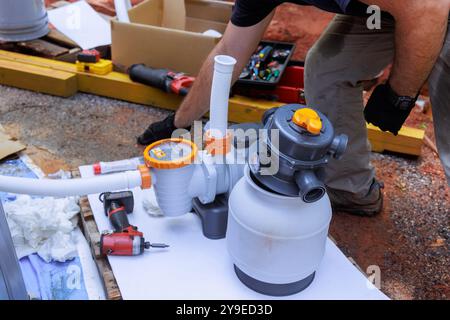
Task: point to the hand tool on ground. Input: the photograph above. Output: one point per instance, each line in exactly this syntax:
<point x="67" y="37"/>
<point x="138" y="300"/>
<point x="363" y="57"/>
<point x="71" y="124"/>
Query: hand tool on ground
<point x="166" y="80"/>
<point x="125" y="239"/>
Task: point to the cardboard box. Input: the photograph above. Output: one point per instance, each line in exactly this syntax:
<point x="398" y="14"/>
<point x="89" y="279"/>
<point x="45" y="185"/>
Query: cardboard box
<point x="8" y="146"/>
<point x="168" y="34"/>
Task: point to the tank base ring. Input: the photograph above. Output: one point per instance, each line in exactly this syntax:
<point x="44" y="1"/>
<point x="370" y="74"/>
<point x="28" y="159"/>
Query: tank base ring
<point x="272" y="289"/>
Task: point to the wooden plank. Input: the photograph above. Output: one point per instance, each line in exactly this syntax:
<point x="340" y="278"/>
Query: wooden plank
<point x="37" y="61"/>
<point x="41" y="48"/>
<point x="241" y="109"/>
<point x="92" y="235"/>
<point x="119" y="86"/>
<point x="70" y="56"/>
<point x="38" y="79"/>
<point x="408" y="140"/>
<point x="58" y="37"/>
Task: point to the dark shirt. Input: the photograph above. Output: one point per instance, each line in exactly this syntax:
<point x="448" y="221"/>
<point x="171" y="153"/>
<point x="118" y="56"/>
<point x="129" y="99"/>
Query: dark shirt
<point x="249" y="12"/>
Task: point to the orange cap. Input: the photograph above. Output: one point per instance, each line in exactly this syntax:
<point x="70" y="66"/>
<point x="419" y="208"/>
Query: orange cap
<point x="146" y="176"/>
<point x="221" y="146"/>
<point x="154" y="162"/>
<point x="309" y="119"/>
<point x="97" y="168"/>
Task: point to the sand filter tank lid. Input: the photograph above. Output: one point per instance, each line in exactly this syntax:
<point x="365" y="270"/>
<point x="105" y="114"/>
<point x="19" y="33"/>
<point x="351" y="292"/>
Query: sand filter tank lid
<point x="306" y="141"/>
<point x="22" y="20"/>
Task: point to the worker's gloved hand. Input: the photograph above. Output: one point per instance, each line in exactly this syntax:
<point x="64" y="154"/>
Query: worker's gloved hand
<point x="388" y="111"/>
<point x="158" y="130"/>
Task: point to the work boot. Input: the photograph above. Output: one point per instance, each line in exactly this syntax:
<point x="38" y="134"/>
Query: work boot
<point x="158" y="130"/>
<point x="367" y="206"/>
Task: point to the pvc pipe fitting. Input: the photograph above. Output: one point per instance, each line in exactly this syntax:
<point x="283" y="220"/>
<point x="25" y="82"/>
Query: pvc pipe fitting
<point x="220" y="92"/>
<point x="311" y="189"/>
<point x="122" y="7"/>
<point x="218" y="146"/>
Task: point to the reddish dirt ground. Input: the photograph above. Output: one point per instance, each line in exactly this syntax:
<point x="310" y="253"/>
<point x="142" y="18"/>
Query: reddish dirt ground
<point x="300" y="25"/>
<point x="409" y="240"/>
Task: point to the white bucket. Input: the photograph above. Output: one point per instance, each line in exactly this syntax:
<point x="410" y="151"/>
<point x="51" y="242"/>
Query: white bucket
<point x="22" y="20"/>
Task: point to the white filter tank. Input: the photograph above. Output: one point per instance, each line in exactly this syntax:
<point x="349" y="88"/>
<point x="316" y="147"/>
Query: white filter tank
<point x="278" y="221"/>
<point x="276" y="242"/>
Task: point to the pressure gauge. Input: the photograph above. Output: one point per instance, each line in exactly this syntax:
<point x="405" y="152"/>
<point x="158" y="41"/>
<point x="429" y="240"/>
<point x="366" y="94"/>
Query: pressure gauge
<point x="170" y="153"/>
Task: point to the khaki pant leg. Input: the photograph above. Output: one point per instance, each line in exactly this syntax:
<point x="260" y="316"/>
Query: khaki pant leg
<point x="347" y="53"/>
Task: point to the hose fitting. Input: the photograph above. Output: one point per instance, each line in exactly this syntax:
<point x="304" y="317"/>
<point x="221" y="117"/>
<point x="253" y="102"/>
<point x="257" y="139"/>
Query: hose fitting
<point x="311" y="189"/>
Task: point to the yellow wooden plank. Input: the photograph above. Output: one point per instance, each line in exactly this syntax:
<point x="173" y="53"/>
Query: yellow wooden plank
<point x="119" y="86"/>
<point x="244" y="109"/>
<point x="38" y="79"/>
<point x="381" y="146"/>
<point x="404" y="133"/>
<point x="408" y="141"/>
<point x="38" y="61"/>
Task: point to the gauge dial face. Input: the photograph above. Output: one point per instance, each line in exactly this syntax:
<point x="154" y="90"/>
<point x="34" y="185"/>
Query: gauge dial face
<point x="170" y="153"/>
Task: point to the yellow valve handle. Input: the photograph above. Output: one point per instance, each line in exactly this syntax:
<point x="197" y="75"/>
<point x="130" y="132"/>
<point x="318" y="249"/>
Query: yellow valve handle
<point x="309" y="119"/>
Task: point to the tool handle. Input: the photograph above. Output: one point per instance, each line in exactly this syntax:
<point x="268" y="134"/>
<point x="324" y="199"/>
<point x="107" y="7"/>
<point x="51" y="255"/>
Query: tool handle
<point x="181" y="84"/>
<point x="157" y="78"/>
<point x="118" y="217"/>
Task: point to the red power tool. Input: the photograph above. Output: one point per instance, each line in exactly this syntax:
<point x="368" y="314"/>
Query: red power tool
<point x="125" y="239"/>
<point x="169" y="81"/>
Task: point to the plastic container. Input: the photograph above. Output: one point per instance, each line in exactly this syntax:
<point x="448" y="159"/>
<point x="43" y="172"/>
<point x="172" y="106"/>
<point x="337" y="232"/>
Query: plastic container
<point x="282" y="65"/>
<point x="275" y="242"/>
<point x="171" y="190"/>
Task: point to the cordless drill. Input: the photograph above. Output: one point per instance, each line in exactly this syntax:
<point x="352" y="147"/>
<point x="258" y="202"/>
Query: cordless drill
<point x="169" y="81"/>
<point x="124" y="239"/>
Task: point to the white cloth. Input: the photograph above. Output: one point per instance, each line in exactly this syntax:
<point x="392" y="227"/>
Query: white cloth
<point x="43" y="225"/>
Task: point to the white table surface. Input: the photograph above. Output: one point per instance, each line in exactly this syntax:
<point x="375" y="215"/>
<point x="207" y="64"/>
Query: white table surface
<point x="195" y="267"/>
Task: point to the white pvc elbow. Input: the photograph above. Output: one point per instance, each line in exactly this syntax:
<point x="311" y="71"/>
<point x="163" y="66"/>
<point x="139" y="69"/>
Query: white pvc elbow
<point x="122" y="7"/>
<point x="220" y="92"/>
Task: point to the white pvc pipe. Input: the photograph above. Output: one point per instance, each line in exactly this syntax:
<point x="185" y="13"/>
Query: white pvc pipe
<point x="71" y="187"/>
<point x="122" y="7"/>
<point x="220" y="93"/>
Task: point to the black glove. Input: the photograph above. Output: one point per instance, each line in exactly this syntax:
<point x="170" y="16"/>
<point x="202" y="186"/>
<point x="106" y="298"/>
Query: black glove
<point x="388" y="111"/>
<point x="158" y="130"/>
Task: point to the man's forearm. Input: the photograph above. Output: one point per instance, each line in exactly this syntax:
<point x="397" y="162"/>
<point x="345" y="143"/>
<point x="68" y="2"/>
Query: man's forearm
<point x="420" y="31"/>
<point x="238" y="42"/>
<point x="196" y="104"/>
<point x="419" y="41"/>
